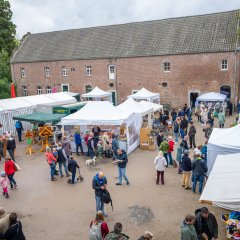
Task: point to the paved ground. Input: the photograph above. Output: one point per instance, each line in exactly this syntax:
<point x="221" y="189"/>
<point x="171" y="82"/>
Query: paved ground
<point x="56" y="210"/>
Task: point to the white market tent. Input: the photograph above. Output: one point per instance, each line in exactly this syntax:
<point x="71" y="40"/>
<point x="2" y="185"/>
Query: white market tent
<point x="144" y="94"/>
<point x="12" y="107"/>
<point x="221" y="142"/>
<point x="104" y="113"/>
<point x="97" y="94"/>
<point x="212" y="97"/>
<point x="131" y="106"/>
<point x="222" y="187"/>
<point x="156" y="107"/>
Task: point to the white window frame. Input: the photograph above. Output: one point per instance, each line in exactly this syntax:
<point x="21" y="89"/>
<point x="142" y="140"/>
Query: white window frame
<point x="88" y="70"/>
<point x="168" y="67"/>
<point x="24" y="90"/>
<point x="63" y="85"/>
<point x="224" y="65"/>
<point x="39" y="90"/>
<point x="48" y="89"/>
<point x="111" y="75"/>
<point x="23" y="72"/>
<point x="47" y="71"/>
<point x="64" y="71"/>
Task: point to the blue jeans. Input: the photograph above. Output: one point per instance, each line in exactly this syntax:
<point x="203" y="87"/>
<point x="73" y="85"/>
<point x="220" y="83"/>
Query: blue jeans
<point x="19" y="132"/>
<point x="114" y="154"/>
<point x="176" y="136"/>
<point x="12" y="180"/>
<point x="170" y="160"/>
<point x="182" y="133"/>
<point x="52" y="169"/>
<point x="99" y="204"/>
<point x="64" y="164"/>
<point x="122" y="173"/>
<point x="200" y="179"/>
<point x="91" y="153"/>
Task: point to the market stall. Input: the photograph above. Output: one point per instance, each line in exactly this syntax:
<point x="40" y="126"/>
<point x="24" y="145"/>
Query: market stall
<point x="212" y="97"/>
<point x="222" y="187"/>
<point x="156" y="107"/>
<point x="106" y="116"/>
<point x="222" y="141"/>
<point x="98" y="94"/>
<point x="144" y="94"/>
<point x="131" y="106"/>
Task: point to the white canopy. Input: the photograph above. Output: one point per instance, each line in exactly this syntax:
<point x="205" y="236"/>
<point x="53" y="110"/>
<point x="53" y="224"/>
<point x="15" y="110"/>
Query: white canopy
<point x="144" y="94"/>
<point x="131" y="106"/>
<point x="97" y="113"/>
<point x="97" y="93"/>
<point x="212" y="97"/>
<point x="222" y="187"/>
<point x="221" y="142"/>
<point x="154" y="106"/>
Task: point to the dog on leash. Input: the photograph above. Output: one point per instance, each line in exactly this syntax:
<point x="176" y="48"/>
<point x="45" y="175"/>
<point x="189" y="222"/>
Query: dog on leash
<point x="91" y="161"/>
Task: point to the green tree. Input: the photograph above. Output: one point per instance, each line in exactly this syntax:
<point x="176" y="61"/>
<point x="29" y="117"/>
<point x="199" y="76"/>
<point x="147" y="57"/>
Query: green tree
<point x="7" y="28"/>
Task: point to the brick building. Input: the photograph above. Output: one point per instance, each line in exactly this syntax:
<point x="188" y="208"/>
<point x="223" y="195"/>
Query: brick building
<point x="180" y="58"/>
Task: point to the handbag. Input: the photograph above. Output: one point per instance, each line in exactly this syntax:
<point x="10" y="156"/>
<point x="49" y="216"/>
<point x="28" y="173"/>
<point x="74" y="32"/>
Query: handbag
<point x="16" y="166"/>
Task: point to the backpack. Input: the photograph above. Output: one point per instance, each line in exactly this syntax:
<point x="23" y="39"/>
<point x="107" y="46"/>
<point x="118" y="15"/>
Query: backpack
<point x="106" y="198"/>
<point x="95" y="232"/>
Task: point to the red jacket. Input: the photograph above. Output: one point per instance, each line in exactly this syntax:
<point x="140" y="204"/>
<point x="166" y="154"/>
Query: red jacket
<point x="171" y="146"/>
<point x="9" y="167"/>
<point x="50" y="158"/>
<point x="104" y="228"/>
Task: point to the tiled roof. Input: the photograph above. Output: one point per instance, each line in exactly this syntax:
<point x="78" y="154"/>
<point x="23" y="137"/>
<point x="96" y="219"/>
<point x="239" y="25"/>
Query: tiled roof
<point x="195" y="34"/>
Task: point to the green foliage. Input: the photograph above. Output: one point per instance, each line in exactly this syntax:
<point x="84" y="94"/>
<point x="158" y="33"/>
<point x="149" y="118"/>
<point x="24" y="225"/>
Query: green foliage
<point x="7" y="28"/>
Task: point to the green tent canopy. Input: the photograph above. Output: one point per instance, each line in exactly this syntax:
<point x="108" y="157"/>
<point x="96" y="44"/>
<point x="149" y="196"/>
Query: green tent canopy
<point x="40" y="117"/>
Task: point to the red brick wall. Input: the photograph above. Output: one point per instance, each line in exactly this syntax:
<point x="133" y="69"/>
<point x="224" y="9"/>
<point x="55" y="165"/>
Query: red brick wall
<point x="193" y="72"/>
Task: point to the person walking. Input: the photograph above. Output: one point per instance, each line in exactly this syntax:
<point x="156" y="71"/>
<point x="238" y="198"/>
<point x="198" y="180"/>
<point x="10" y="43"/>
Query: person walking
<point x="221" y="119"/>
<point x="19" y="129"/>
<point x="62" y="160"/>
<point x="117" y="233"/>
<point x="183" y="126"/>
<point x="11" y="146"/>
<point x="91" y="146"/>
<point x="164" y="148"/>
<point x="52" y="162"/>
<point x="78" y="142"/>
<point x="115" y="146"/>
<point x="160" y="163"/>
<point x="4" y="182"/>
<point x="122" y="160"/>
<point x="206" y="224"/>
<point x="9" y="168"/>
<point x="174" y="115"/>
<point x="98" y="227"/>
<point x="210" y="117"/>
<point x="99" y="184"/>
<point x="170" y="150"/>
<point x="188" y="231"/>
<point x="72" y="168"/>
<point x="199" y="169"/>
<point x="192" y="132"/>
<point x="66" y="145"/>
<point x="14" y="232"/>
<point x="159" y="138"/>
<point x="180" y="151"/>
<point x="176" y="129"/>
<point x="186" y="169"/>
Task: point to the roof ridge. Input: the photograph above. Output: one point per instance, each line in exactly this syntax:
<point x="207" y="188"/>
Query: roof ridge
<point x="138" y="22"/>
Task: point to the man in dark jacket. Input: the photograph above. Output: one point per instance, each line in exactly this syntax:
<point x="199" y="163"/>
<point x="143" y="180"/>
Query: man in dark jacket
<point x="72" y="167"/>
<point x="91" y="146"/>
<point x="122" y="160"/>
<point x="186" y="166"/>
<point x="183" y="126"/>
<point x="174" y="115"/>
<point x="99" y="184"/>
<point x="11" y="146"/>
<point x="206" y="223"/>
<point x="192" y="132"/>
<point x="19" y="129"/>
<point x="199" y="169"/>
<point x="78" y="142"/>
<point x="160" y="138"/>
<point x="62" y="160"/>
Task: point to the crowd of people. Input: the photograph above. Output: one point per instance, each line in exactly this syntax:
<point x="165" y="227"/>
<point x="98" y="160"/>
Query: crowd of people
<point x="178" y="132"/>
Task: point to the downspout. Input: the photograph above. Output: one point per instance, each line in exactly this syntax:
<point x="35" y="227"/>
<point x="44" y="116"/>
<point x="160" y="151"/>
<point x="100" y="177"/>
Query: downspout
<point x="116" y="81"/>
<point x="235" y="68"/>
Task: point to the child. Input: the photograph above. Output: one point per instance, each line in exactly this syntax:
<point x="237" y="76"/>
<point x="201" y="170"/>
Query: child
<point x="100" y="149"/>
<point x="4" y="182"/>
